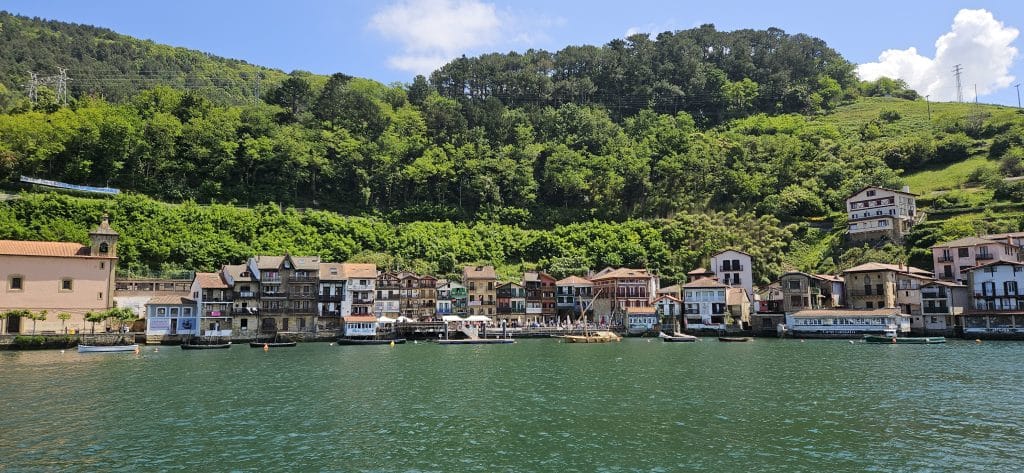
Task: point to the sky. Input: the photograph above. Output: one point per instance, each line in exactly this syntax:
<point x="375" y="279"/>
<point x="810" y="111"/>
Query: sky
<point x="393" y="40"/>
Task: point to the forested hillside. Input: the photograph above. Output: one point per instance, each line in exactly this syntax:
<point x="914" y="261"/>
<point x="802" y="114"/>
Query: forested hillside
<point x="745" y="131"/>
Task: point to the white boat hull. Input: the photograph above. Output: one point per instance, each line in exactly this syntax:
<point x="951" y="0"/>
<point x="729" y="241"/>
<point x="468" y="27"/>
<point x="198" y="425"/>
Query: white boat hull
<point x="106" y="349"/>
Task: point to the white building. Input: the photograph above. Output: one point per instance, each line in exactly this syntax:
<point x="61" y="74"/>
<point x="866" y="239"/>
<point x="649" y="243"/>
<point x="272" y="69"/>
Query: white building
<point x="733" y="268"/>
<point x="170" y="316"/>
<point x="997" y="306"/>
<point x="705" y="304"/>
<point x="360" y="325"/>
<point x="942" y="302"/>
<point x="846" y="323"/>
<point x="877" y="212"/>
<point x="670" y="310"/>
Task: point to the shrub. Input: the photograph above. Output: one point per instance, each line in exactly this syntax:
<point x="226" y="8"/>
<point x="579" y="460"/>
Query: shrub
<point x="29" y="341"/>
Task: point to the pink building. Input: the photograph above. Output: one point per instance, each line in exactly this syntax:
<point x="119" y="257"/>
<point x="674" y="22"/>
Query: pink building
<point x="57" y="277"/>
<point x="952" y="259"/>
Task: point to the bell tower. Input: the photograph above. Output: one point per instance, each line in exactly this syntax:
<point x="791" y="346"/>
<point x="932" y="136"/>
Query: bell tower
<point x="103" y="239"/>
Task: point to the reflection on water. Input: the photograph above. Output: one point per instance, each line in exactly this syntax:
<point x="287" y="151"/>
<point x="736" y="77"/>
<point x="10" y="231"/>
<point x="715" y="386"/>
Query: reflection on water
<point x="537" y="405"/>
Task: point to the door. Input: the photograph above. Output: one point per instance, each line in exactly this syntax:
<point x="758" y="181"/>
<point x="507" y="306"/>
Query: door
<point x="284" y="324"/>
<point x="13" y="324"/>
<point x="174" y="327"/>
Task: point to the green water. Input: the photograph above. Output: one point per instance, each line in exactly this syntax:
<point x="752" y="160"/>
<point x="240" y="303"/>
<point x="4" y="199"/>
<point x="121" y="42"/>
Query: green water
<point x="537" y="405"/>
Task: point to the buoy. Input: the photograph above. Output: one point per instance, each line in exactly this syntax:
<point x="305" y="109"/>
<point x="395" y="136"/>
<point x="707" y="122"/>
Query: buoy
<point x="851" y="342"/>
<point x="977" y="340"/>
<point x="332" y="344"/>
<point x="156" y="350"/>
<point x="392" y="343"/>
<point x="894" y="339"/>
<point x="136" y="350"/>
<point x="266" y="347"/>
<point x="62" y="352"/>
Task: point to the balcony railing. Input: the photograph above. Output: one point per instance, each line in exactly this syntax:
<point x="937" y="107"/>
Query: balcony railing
<point x="862" y="292"/>
<point x="274" y="294"/>
<point x="332" y="297"/>
<point x="303" y="295"/>
<point x="735" y="267"/>
<point x="933" y="295"/>
<point x="935" y="310"/>
<point x="983" y="256"/>
<point x="945" y="259"/>
<point x="362" y="301"/>
<point x="296" y="278"/>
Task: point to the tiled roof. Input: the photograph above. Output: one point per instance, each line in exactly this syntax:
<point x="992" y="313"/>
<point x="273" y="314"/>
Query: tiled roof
<point x="699" y="271"/>
<point x="1002" y="236"/>
<point x="704" y="282"/>
<point x="943" y="283"/>
<point x="236" y="270"/>
<point x="886" y="267"/>
<point x="574" y="281"/>
<point x="43" y="248"/>
<point x="732" y="249"/>
<point x="641" y="310"/>
<point x="829" y="277"/>
<point x="211" y="281"/>
<point x="736" y="295"/>
<point x="670" y="289"/>
<point x="969" y="241"/>
<point x="995" y="263"/>
<point x="170" y="300"/>
<point x="331" y="272"/>
<point x="360" y="270"/>
<point x="268" y="262"/>
<point x="846" y="312"/>
<point x="669" y="297"/>
<point x="306" y="263"/>
<point x="623" y="273"/>
<point x="359" y="318"/>
<point x="479" y="272"/>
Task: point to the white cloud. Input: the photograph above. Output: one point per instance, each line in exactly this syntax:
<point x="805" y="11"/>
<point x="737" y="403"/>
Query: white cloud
<point x="432" y="32"/>
<point x="982" y="45"/>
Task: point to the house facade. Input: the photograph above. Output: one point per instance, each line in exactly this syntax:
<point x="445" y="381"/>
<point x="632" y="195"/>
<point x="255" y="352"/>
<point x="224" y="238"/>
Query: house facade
<point x="846" y="323"/>
<point x="875" y="213"/>
<point x="451" y="298"/>
<point x="670" y="312"/>
<point x="705" y="304"/>
<point x="480" y="282"/>
<point x="997" y="306"/>
<point x="245" y="300"/>
<point x="57" y="277"/>
<point x="168" y="318"/>
<point x="512" y="303"/>
<point x="388" y="301"/>
<point x="573" y="295"/>
<point x="802" y="291"/>
<point x="952" y="259"/>
<point x="616" y="290"/>
<point x="733" y="268"/>
<point x="942" y="305"/>
<point x="288" y="292"/>
<point x="213" y="298"/>
<point x="874" y="286"/>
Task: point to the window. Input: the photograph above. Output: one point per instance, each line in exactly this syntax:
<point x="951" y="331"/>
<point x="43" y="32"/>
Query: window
<point x="99" y="296"/>
<point x="15" y="283"/>
<point x="883" y="223"/>
<point x="65" y="285"/>
<point x="871" y="193"/>
<point x="186" y="311"/>
<point x="794" y="284"/>
<point x="161" y="311"/>
<point x="962" y="252"/>
<point x="869" y="305"/>
<point x="103" y="264"/>
<point x="104" y="248"/>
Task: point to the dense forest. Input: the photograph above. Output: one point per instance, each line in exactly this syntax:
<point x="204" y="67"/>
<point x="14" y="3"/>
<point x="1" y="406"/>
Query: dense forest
<point x="662" y="149"/>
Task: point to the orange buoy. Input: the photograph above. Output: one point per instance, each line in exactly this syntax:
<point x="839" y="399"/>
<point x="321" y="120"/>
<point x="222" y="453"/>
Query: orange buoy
<point x="266" y="347"/>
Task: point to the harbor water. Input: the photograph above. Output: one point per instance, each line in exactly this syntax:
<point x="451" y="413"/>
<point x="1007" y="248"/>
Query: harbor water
<point x="537" y="405"/>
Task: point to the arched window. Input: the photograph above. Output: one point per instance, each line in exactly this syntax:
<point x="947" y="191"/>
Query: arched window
<point x="104" y="247"/>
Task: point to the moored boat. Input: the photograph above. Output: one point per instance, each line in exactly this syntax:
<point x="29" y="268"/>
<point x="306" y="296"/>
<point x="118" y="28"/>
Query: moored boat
<point x="107" y="348"/>
<point x="904" y="340"/>
<point x="258" y="344"/>
<point x="677" y="337"/>
<point x="594" y="337"/>
<point x="734" y="339"/>
<point x="478" y="341"/>
<point x="205" y="346"/>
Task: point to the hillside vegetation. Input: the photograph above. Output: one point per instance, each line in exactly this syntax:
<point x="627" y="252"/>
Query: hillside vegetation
<point x="639" y="143"/>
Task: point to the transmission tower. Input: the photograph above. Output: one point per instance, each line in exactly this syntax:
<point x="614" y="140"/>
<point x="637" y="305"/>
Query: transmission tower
<point x="58" y="82"/>
<point x="33" y="84"/>
<point x="959" y="91"/>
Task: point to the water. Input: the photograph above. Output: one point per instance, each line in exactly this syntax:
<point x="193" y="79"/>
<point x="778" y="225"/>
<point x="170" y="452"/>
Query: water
<point x="538" y="405"/>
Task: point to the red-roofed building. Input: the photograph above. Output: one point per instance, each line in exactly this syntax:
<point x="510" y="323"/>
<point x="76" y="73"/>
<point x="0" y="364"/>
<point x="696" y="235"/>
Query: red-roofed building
<point x="616" y="290"/>
<point x="57" y="277"/>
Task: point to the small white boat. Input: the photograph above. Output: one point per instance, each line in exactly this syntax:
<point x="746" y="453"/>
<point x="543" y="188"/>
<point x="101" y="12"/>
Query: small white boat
<point x="106" y="348"/>
<point x="676" y="337"/>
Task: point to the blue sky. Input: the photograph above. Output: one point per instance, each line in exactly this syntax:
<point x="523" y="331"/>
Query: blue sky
<point x="393" y="40"/>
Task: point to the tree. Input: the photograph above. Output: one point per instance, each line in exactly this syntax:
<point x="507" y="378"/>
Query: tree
<point x="37" y="316"/>
<point x="94" y="317"/>
<point x="120" y="315"/>
<point x="64" y="317"/>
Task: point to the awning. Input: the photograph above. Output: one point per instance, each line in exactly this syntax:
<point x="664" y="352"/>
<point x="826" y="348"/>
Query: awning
<point x="386" y="320"/>
<point x="478" y="318"/>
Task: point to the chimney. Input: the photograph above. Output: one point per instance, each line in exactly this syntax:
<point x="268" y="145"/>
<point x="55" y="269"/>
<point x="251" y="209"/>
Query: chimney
<point x="906" y="189"/>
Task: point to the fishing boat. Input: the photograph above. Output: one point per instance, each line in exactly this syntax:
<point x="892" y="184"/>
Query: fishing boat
<point x="107" y="348"/>
<point x="369" y="341"/>
<point x="904" y="340"/>
<point x="205" y="343"/>
<point x="477" y="341"/>
<point x="734" y="339"/>
<point x="603" y="336"/>
<point x="274" y="343"/>
<point x="676" y="337"/>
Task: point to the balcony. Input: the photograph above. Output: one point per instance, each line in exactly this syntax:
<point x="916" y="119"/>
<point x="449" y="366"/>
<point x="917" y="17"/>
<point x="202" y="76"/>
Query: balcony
<point x="933" y="295"/>
<point x="945" y="259"/>
<point x="332" y="297"/>
<point x="280" y="295"/>
<point x="303" y="295"/>
<point x="983" y="256"/>
<point x="245" y="295"/>
<point x="487" y="302"/>
<point x="735" y="267"/>
<point x="362" y="301"/>
<point x="296" y="278"/>
<point x="330" y="313"/>
<point x="943" y="310"/>
<point x="863" y="292"/>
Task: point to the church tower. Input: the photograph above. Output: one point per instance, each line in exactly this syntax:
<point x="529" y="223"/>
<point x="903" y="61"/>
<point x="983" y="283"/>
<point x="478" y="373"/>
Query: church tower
<point x="103" y="239"/>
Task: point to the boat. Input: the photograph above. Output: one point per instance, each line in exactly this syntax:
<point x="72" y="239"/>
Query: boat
<point x="369" y="341"/>
<point x="676" y="337"/>
<point x="205" y="344"/>
<point x="271" y="344"/>
<point x="604" y="336"/>
<point x="107" y="348"/>
<point x="734" y="339"/>
<point x="904" y="340"/>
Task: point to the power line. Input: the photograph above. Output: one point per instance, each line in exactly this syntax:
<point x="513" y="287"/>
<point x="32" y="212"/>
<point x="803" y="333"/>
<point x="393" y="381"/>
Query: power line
<point x="959" y="92"/>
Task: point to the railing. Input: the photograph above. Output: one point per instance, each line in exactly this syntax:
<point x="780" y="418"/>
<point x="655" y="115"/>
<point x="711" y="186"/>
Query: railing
<point x="245" y="294"/>
<point x="295" y="278"/>
<point x="330" y="313"/>
<point x="487" y="302"/>
<point x="362" y="301"/>
<point x="244" y="311"/>
<point x="933" y="295"/>
<point x="736" y="267"/>
<point x="935" y="310"/>
<point x="983" y="256"/>
<point x="332" y="297"/>
<point x="862" y="292"/>
<point x="304" y="295"/>
<point x="945" y="259"/>
<point x="275" y="294"/>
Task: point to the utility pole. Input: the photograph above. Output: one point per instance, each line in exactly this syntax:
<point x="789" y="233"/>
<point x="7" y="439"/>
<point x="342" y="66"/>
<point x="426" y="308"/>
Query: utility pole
<point x="1018" y="95"/>
<point x="929" y="102"/>
<point x="33" y="84"/>
<point x="959" y="92"/>
<point x="62" y="85"/>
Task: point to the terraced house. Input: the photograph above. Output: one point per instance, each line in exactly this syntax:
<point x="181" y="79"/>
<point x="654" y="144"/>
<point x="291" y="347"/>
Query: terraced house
<point x="876" y="213"/>
<point x="288" y="291"/>
<point x="480" y="282"/>
<point x="616" y="290"/>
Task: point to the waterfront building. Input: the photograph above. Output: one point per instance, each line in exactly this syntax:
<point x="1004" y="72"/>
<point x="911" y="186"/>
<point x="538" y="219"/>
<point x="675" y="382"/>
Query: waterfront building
<point x="942" y="305"/>
<point x="675" y="290"/>
<point x="360" y="288"/>
<point x="540" y="296"/>
<point x="572" y="295"/>
<point x="360" y="325"/>
<point x="670" y="312"/>
<point x="480" y="282"/>
<point x="1013" y="238"/>
<point x="332" y="294"/>
<point x="513" y="304"/>
<point x="134" y="293"/>
<point x="874" y="286"/>
<point x="616" y="290"/>
<point x="287" y="291"/>
<point x="770" y="297"/>
<point x="875" y="213"/>
<point x="705" y="304"/>
<point x="245" y="300"/>
<point x="642" y="320"/>
<point x="418" y="295"/>
<point x="737" y="303"/>
<point x="451" y="298"/>
<point x="734" y="269"/>
<point x="846" y="323"/>
<point x="801" y="291"/>
<point x="700" y="273"/>
<point x="997" y="305"/>
<point x="388" y="302"/>
<point x="170" y="317"/>
<point x="212" y="297"/>
<point x="58" y="277"/>
<point x="952" y="259"/>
